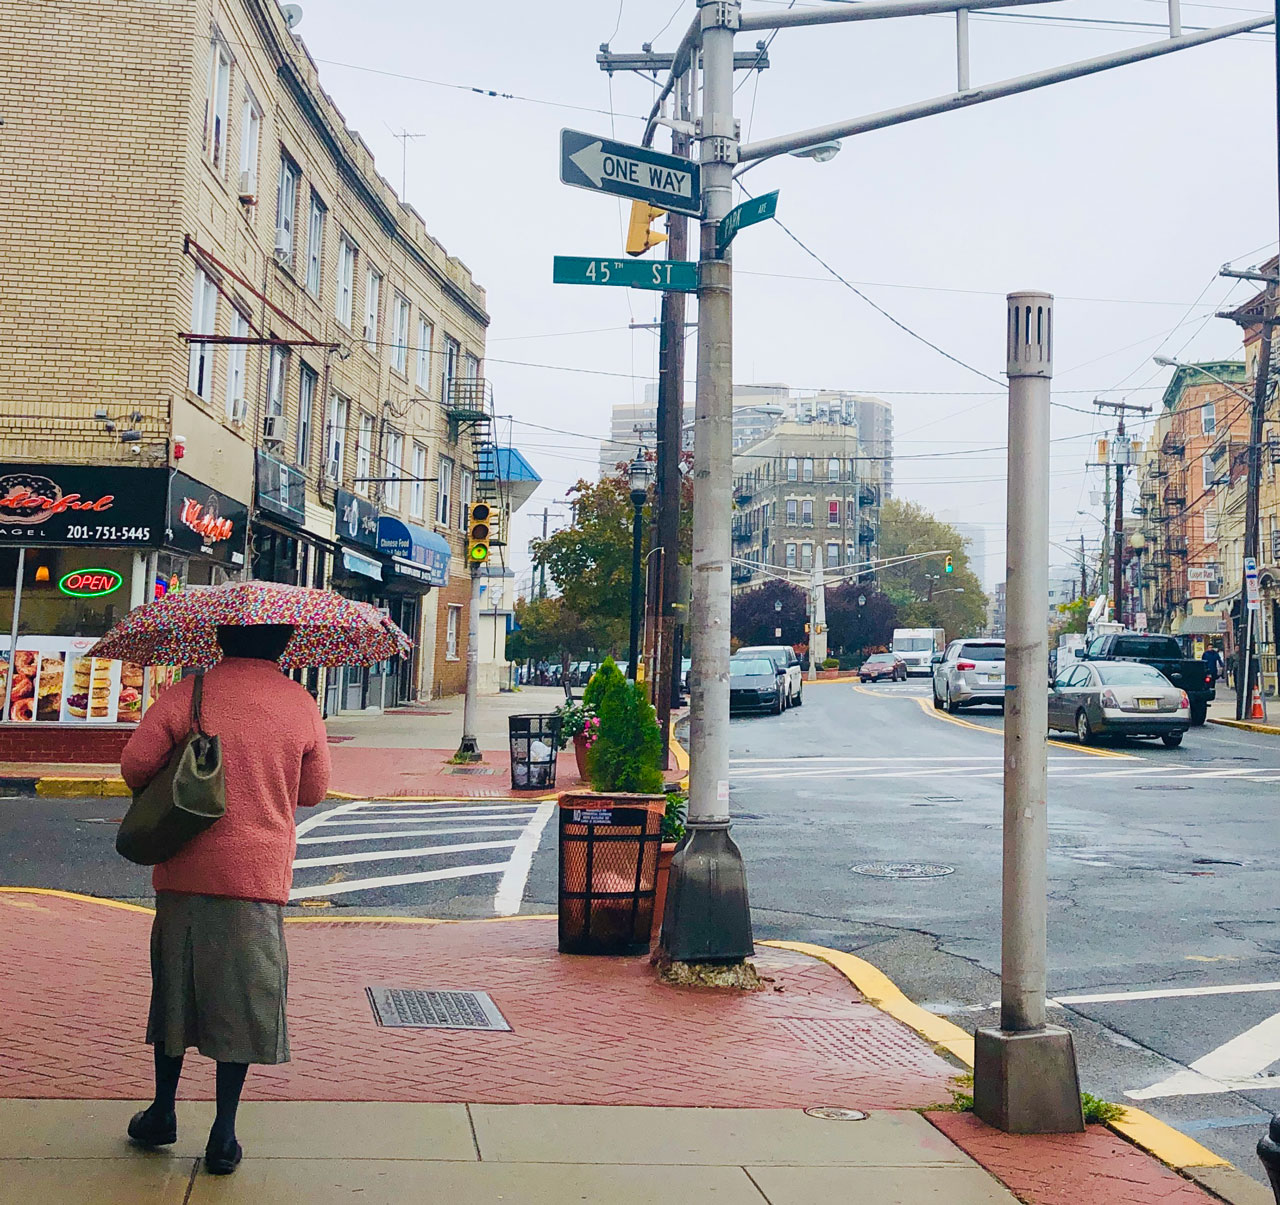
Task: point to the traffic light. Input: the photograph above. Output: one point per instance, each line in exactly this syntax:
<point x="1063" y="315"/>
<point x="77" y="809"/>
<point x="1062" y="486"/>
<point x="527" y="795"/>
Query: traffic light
<point x="951" y="565"/>
<point x="640" y="235"/>
<point x="478" y="530"/>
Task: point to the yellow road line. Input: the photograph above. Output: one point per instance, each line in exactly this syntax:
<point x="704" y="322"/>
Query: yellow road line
<point x="932" y="711"/>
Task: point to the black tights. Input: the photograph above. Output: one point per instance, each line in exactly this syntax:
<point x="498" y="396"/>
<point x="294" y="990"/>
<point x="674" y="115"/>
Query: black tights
<point x="230" y="1083"/>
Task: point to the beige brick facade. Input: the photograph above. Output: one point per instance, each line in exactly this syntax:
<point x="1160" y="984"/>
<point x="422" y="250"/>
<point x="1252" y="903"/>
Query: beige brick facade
<point x="153" y="146"/>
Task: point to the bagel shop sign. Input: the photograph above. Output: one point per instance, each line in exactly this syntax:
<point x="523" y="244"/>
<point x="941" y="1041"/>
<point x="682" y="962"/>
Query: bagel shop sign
<point x="82" y="504"/>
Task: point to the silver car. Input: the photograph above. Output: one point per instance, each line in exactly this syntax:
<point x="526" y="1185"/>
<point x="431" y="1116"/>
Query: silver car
<point x="970" y="671"/>
<point x="1118" y="698"/>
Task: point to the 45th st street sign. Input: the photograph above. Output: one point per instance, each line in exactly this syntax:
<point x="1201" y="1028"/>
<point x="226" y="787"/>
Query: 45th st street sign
<point x="670" y="275"/>
<point x="636" y="172"/>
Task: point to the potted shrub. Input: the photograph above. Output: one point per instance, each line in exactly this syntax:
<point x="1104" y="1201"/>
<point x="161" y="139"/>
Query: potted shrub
<point x="610" y="833"/>
<point x="672" y="834"/>
<point x="830" y="668"/>
<point x="579" y="724"/>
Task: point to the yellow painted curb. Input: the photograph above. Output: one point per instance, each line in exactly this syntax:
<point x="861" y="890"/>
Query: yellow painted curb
<point x="1247" y="725"/>
<point x="75" y="895"/>
<point x="70" y="788"/>
<point x="1163" y="1141"/>
<point x="112" y="788"/>
<point x="881" y="991"/>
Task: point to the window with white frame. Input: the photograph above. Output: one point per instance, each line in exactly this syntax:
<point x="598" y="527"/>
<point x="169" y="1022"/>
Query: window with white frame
<point x="806" y="512"/>
<point x="806" y="556"/>
<point x="346" y="281"/>
<point x="833" y="513"/>
<point x="307" y="380"/>
<point x="426" y="333"/>
<point x="400" y="352"/>
<point x="364" y="453"/>
<point x="466" y="490"/>
<point x="793" y="469"/>
<point x="1208" y="418"/>
<point x="452" y="352"/>
<point x="451" y="633"/>
<point x="250" y="140"/>
<point x="806" y="469"/>
<point x="287" y="208"/>
<point x="372" y="301"/>
<point x="791" y="556"/>
<point x="1207" y="471"/>
<point x="850" y="554"/>
<point x="418" y="486"/>
<point x="444" y="491"/>
<point x="336" y="444"/>
<point x="204" y="319"/>
<point x="218" y="103"/>
<point x="833" y="555"/>
<point x="277" y="377"/>
<point x="315" y="245"/>
<point x="393" y="470"/>
<point x="237" y="358"/>
<point x="1210" y="527"/>
<point x="471" y="367"/>
<point x="793" y="512"/>
<point x="833" y="469"/>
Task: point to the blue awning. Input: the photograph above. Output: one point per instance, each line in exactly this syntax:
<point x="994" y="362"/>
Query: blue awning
<point x="362" y="565"/>
<point x="410" y="545"/>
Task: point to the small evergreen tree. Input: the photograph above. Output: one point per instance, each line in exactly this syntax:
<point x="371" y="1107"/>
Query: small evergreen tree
<point x="594" y="691"/>
<point x="627" y="754"/>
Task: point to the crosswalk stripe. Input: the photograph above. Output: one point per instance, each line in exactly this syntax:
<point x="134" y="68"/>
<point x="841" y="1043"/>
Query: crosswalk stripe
<point x="391" y="855"/>
<point x="401" y="834"/>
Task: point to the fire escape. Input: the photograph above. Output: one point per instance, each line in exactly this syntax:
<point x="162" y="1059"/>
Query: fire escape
<point x="468" y="406"/>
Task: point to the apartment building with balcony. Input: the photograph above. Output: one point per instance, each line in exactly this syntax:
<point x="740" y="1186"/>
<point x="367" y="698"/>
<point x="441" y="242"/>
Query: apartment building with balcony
<point x="176" y="170"/>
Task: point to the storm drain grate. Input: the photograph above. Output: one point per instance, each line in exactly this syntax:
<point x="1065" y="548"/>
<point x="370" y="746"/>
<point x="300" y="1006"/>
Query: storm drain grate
<point x="413" y="1008"/>
<point x="942" y="798"/>
<point x="1162" y="787"/>
<point x="465" y="770"/>
<point x="903" y="870"/>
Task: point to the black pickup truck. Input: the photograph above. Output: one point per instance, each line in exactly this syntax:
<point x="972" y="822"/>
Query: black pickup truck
<point x="1164" y="653"/>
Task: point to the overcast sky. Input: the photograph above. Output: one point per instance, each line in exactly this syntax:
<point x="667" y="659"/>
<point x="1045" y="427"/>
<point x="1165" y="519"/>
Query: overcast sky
<point x="1122" y="194"/>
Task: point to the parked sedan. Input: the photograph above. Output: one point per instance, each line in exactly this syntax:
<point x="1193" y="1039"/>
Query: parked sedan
<point x="756" y="685"/>
<point x="883" y="665"/>
<point x="1118" y="698"/>
<point x="970" y="671"/>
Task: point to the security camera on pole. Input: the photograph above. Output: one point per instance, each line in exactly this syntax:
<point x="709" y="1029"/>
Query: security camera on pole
<point x="1025" y="1078"/>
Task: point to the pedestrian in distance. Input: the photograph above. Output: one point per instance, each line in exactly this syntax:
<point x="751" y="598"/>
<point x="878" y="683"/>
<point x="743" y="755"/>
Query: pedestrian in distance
<point x="1213" y="659"/>
<point x="219" y="968"/>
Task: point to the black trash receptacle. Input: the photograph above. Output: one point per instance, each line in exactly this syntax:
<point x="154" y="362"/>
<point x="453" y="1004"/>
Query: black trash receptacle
<point x="609" y="848"/>
<point x="533" y="750"/>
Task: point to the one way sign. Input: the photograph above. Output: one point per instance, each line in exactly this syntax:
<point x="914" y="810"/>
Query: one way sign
<point x="602" y="165"/>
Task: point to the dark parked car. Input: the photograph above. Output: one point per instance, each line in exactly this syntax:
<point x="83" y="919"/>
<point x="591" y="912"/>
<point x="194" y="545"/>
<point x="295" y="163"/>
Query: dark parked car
<point x="755" y="685"/>
<point x="1164" y="654"/>
<point x="883" y="665"/>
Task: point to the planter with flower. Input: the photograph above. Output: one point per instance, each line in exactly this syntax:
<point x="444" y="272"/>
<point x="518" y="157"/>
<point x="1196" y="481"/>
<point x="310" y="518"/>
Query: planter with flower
<point x="610" y="835"/>
<point x="579" y="724"/>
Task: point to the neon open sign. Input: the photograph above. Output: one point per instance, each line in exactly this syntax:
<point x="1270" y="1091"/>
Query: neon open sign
<point x="90" y="583"/>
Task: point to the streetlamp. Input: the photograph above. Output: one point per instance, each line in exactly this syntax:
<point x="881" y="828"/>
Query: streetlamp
<point x="639" y="480"/>
<point x="777" y="606"/>
<point x="1169" y="362"/>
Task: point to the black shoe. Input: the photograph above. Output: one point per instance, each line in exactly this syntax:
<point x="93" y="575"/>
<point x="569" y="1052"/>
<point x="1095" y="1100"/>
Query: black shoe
<point x="151" y="1129"/>
<point x="222" y="1158"/>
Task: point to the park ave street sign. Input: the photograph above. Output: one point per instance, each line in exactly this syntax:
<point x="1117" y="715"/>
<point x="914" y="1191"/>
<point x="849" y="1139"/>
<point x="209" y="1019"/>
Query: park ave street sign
<point x="622" y="170"/>
<point x="670" y="275"/>
<point x="757" y="209"/>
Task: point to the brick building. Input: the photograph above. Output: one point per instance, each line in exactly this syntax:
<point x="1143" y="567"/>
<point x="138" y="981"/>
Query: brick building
<point x="171" y="168"/>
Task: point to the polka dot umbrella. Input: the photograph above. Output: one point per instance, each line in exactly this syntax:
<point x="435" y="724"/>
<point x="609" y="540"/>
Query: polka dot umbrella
<point x="181" y="628"/>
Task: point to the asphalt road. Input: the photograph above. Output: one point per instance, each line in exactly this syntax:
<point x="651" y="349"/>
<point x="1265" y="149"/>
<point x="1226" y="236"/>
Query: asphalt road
<point x="1164" y="930"/>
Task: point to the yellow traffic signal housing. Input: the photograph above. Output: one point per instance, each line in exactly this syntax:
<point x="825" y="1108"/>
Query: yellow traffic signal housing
<point x="640" y="235"/>
<point x="951" y="565"/>
<point x="479" y="530"/>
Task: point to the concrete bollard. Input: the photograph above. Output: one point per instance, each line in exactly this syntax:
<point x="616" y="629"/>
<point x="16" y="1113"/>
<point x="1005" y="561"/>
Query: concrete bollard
<point x="1269" y="1153"/>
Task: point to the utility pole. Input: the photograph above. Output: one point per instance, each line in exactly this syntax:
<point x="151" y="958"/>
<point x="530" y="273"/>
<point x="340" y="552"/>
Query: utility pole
<point x="1120" y="456"/>
<point x="708" y="916"/>
<point x="1025" y="1078"/>
<point x="542" y="568"/>
<point x="1084" y="571"/>
<point x="817" y="614"/>
<point x="469" y="748"/>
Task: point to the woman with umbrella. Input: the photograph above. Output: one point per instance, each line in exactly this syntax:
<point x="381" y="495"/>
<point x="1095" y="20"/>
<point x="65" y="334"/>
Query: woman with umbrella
<point x="218" y="961"/>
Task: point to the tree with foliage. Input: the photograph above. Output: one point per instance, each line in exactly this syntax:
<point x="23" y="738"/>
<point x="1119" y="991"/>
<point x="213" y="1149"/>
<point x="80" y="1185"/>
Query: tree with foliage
<point x="590" y="560"/>
<point x="547" y="631"/>
<point x="1075" y="617"/>
<point x="852" y="628"/>
<point x="755" y="616"/>
<point x="627" y="755"/>
<point x="907" y="529"/>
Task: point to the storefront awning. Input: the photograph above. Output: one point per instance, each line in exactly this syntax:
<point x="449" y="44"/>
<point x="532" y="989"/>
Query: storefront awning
<point x="362" y="565"/>
<point x="414" y="551"/>
<point x="1203" y="625"/>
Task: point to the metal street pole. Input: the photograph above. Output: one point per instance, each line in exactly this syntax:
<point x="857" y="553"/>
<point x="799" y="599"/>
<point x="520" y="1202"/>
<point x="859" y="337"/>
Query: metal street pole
<point x="469" y="748"/>
<point x="708" y="917"/>
<point x="1117" y="582"/>
<point x="1025" y="1078"/>
<point x="637" y="594"/>
<point x="818" y="615"/>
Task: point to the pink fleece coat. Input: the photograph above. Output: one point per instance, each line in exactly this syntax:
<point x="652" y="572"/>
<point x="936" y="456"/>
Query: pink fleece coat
<point x="276" y="757"/>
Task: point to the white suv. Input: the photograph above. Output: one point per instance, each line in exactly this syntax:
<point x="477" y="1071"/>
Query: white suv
<point x="970" y="671"/>
<point x="785" y="660"/>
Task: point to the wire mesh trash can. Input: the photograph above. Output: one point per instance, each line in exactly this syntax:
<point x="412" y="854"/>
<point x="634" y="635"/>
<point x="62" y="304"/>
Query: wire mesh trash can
<point x="608" y="869"/>
<point x="533" y="750"/>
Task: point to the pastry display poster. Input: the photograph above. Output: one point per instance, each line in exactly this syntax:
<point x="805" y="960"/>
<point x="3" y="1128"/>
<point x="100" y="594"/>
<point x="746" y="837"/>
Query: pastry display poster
<point x="55" y="681"/>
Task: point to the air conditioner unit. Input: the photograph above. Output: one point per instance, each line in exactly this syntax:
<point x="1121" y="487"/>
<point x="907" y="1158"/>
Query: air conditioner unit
<point x="369" y="334"/>
<point x="284" y="246"/>
<point x="239" y="408"/>
<point x="246" y="188"/>
<point x="333" y="471"/>
<point x="274" y="429"/>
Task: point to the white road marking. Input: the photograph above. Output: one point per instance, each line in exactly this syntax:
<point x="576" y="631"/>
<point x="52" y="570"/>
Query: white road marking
<point x="427" y="819"/>
<point x="317" y="817"/>
<point x="392" y="855"/>
<point x="1235" y="1066"/>
<point x="1172" y="993"/>
<point x="394" y="880"/>
<point x="510" y="893"/>
<point x="344" y="838"/>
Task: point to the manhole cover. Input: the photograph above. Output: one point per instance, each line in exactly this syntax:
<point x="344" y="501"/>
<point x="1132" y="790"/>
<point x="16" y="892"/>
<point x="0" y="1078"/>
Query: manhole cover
<point x="1151" y="786"/>
<point x="903" y="870"/>
<point x="828" y="1113"/>
<point x="412" y="1008"/>
<point x="942" y="799"/>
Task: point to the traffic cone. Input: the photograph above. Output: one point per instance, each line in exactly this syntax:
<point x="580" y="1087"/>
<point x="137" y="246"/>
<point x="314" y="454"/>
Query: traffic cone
<point x="1256" y="712"/>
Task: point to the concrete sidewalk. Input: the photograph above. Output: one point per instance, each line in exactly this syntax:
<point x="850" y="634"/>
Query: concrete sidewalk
<point x="610" y="1085"/>
<point x="1223" y="711"/>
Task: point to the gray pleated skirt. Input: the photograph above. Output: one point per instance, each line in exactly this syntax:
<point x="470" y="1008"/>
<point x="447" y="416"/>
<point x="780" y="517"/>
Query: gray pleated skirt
<point x="219" y="978"/>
